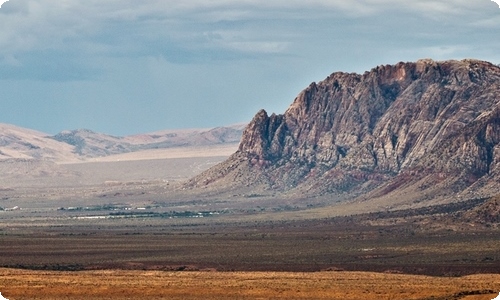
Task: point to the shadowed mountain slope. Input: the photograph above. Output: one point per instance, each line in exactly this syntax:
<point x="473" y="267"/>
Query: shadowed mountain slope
<point x="408" y="132"/>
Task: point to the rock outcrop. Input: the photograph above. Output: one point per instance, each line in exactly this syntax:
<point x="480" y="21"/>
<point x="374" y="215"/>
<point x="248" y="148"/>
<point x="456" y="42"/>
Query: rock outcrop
<point x="428" y="128"/>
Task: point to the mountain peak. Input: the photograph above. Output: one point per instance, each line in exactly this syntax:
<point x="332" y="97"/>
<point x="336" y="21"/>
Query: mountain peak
<point x="429" y="126"/>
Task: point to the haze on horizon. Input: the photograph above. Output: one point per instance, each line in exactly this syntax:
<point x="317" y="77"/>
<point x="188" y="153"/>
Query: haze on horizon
<point x="125" y="67"/>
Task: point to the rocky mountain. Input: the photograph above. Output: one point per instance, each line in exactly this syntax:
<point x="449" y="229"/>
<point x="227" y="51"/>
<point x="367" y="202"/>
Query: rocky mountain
<point x="410" y="133"/>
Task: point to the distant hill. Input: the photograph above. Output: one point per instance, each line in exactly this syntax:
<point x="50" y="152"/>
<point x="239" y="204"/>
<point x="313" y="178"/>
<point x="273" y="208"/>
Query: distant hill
<point x="407" y="134"/>
<point x="22" y="143"/>
<point x="79" y="145"/>
<point x="90" y="144"/>
<point x="32" y="158"/>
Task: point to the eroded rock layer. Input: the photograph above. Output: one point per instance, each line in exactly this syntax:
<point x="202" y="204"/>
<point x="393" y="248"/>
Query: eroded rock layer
<point x="430" y="128"/>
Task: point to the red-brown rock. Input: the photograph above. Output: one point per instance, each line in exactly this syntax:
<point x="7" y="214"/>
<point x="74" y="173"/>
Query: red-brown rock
<point x="422" y="126"/>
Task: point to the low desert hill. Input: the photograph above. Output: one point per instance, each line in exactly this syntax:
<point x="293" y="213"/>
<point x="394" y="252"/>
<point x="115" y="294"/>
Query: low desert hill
<point x="83" y="144"/>
<point x="22" y="143"/>
<point x="89" y="144"/>
<point x="487" y="213"/>
<point x="32" y="158"/>
<point x="413" y="134"/>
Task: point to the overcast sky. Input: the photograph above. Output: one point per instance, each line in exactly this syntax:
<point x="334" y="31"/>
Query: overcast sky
<point x="123" y="67"/>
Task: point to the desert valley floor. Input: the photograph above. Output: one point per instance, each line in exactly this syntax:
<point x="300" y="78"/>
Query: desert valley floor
<point x="123" y="228"/>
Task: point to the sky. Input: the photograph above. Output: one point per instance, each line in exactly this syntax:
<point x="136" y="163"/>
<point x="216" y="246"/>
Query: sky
<point x="125" y="67"/>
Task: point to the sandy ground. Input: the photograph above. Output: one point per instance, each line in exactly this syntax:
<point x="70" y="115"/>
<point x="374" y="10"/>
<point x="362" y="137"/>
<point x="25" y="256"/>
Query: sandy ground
<point x="174" y="152"/>
<point x="159" y="165"/>
<point x="23" y="284"/>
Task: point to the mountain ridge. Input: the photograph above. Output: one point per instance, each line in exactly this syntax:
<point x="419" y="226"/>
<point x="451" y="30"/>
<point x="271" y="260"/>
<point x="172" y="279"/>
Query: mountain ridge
<point x="423" y="130"/>
<point x="83" y="144"/>
<point x="22" y="143"/>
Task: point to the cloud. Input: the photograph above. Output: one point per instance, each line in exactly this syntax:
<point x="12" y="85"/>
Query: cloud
<point x="134" y="27"/>
<point x="164" y="63"/>
<point x="74" y="30"/>
<point x="75" y="40"/>
<point x="497" y="2"/>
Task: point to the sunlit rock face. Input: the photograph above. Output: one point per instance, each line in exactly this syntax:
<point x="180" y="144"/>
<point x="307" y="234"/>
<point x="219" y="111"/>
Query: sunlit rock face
<point x="428" y="122"/>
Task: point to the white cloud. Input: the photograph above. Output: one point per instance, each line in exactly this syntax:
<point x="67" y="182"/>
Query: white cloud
<point x="219" y="57"/>
<point x="497" y="2"/>
<point x="488" y="22"/>
<point x="114" y="25"/>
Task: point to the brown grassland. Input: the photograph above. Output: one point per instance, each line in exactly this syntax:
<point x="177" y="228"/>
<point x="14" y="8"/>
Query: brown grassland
<point x="114" y="284"/>
<point x="165" y="259"/>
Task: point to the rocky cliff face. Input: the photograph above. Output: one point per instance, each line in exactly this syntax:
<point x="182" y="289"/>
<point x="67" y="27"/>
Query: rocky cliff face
<point x="420" y="127"/>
